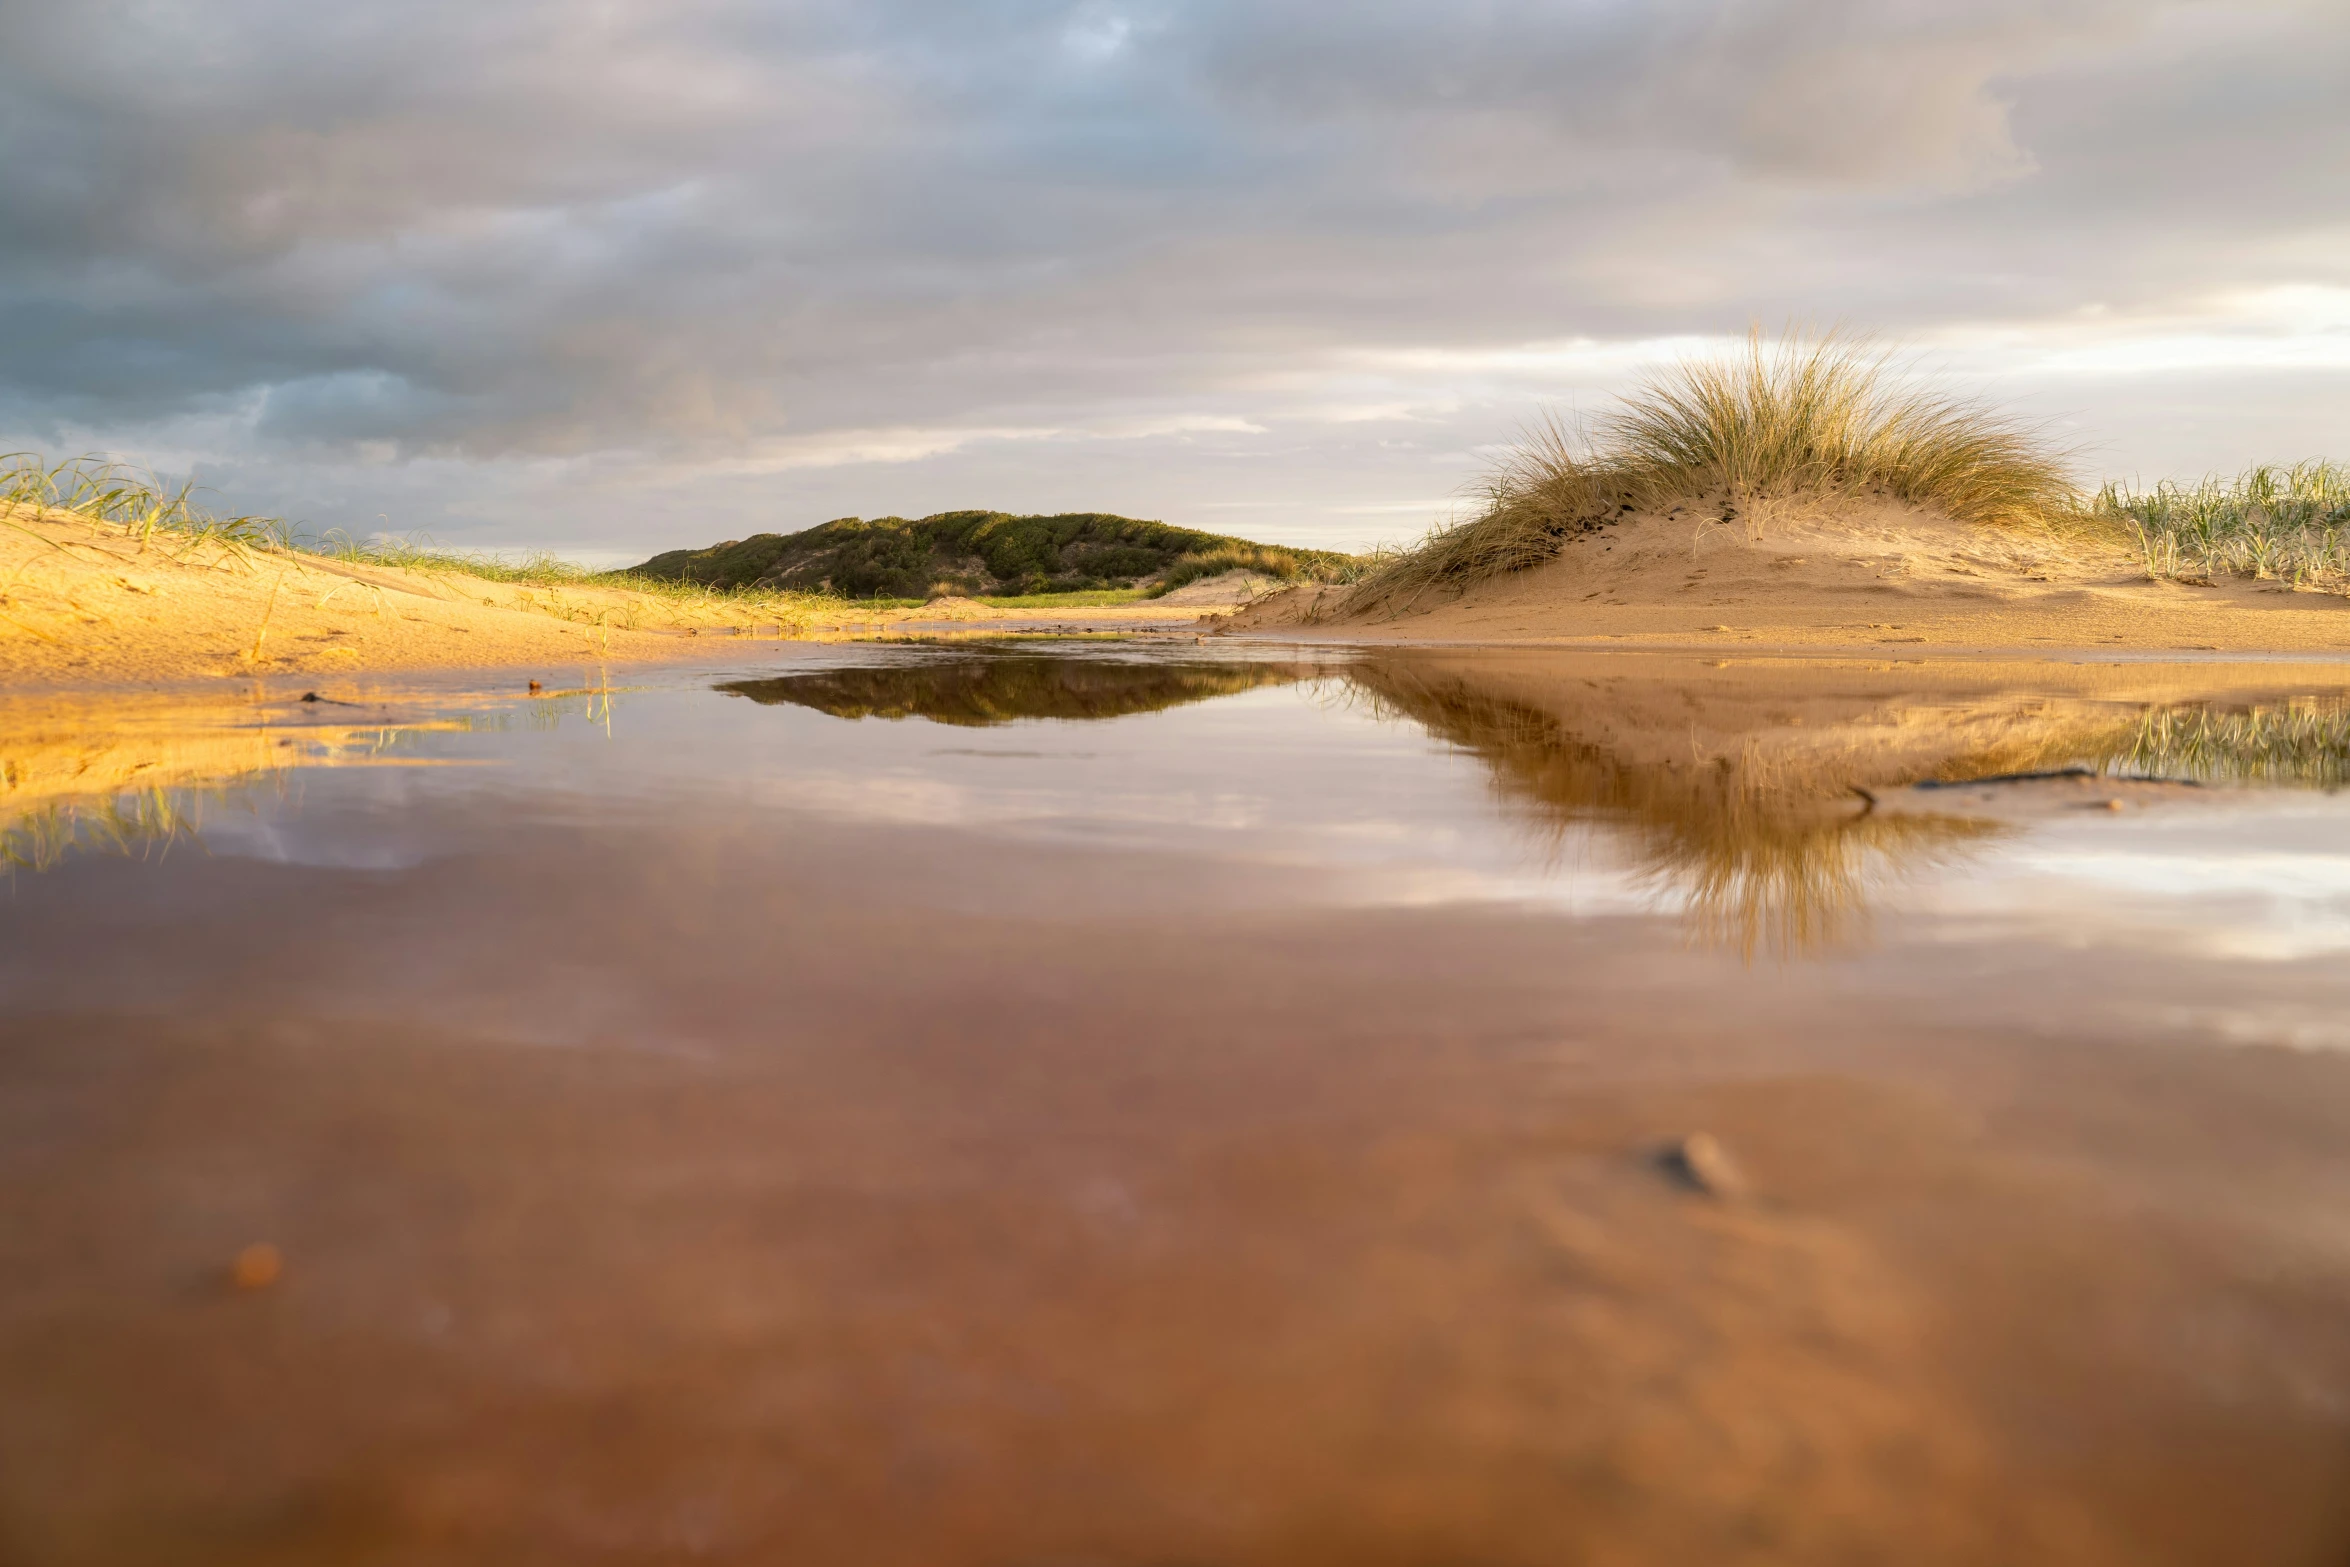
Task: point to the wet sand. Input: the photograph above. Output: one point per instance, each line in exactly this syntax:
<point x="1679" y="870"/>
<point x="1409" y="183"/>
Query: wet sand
<point x="686" y="1179"/>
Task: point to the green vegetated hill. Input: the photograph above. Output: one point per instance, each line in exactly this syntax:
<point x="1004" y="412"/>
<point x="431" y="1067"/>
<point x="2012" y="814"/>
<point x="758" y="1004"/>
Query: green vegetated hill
<point x="985" y="552"/>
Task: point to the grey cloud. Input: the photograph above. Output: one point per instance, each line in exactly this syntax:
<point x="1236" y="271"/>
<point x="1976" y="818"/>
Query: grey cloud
<point x="509" y="230"/>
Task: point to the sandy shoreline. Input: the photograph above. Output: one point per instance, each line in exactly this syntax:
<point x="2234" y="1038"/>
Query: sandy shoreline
<point x="86" y="606"/>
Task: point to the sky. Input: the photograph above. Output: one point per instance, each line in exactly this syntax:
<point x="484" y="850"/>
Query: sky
<point x="613" y="276"/>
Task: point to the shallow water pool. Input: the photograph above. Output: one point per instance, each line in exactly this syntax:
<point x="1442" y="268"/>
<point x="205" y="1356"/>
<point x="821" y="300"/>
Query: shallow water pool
<point x="1151" y="1103"/>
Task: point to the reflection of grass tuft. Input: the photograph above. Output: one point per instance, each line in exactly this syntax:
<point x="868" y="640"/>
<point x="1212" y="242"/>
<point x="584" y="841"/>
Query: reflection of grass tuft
<point x="1803" y="417"/>
<point x="1790" y="885"/>
<point x="134" y="822"/>
<point x="1766" y="851"/>
<point x="2304" y="742"/>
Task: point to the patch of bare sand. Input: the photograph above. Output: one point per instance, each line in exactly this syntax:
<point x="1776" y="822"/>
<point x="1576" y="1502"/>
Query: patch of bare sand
<point x="1225" y="590"/>
<point x="1207" y="600"/>
<point x="1844" y="575"/>
<point x="954" y="606"/>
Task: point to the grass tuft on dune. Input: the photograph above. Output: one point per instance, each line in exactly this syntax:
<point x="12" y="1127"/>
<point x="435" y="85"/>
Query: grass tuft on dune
<point x="1802" y="417"/>
<point x="2266" y="522"/>
<point x="111" y="493"/>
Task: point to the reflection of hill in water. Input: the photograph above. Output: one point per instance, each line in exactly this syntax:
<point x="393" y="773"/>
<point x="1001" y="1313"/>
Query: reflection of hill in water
<point x="978" y="690"/>
<point x="1743" y="790"/>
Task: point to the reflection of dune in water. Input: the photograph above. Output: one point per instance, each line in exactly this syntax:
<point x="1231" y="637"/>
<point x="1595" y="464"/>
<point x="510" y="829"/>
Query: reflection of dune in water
<point x="1769" y="847"/>
<point x="979" y="690"/>
<point x="1750" y="795"/>
<point x="134" y="773"/>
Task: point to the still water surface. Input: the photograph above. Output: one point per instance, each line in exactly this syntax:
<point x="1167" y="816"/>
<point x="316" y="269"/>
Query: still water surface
<point x="1108" y="1103"/>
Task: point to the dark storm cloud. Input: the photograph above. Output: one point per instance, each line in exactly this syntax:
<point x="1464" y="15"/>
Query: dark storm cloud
<point x="509" y="229"/>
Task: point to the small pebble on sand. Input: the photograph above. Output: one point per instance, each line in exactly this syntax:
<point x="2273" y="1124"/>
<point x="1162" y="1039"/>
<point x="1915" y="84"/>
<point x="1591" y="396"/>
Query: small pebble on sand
<point x="257" y="1267"/>
<point x="1700" y="1160"/>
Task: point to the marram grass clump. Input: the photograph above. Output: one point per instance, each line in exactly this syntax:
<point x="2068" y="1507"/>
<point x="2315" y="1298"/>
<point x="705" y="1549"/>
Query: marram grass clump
<point x="1800" y="417"/>
<point x="110" y="494"/>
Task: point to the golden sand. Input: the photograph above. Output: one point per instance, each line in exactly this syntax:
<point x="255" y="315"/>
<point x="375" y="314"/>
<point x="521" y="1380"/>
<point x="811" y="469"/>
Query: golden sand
<point x="1877" y="577"/>
<point x="85" y="604"/>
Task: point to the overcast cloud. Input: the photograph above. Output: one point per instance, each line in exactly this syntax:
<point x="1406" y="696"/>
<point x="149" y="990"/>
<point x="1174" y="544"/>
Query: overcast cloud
<point x="615" y="275"/>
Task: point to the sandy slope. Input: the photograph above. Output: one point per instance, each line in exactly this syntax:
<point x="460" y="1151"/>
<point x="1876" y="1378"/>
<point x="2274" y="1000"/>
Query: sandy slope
<point x="86" y="605"/>
<point x="1877" y="576"/>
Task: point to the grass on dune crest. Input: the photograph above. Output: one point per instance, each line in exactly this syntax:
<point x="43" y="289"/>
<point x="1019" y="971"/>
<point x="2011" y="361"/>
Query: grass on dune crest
<point x="1800" y="417"/>
<point x="113" y="495"/>
<point x="2267" y="522"/>
<point x="121" y="501"/>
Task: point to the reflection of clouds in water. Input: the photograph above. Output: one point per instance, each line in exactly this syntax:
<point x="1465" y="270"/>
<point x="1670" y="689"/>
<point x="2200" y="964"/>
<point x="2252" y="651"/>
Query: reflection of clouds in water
<point x="905" y="800"/>
<point x="2286" y="1024"/>
<point x="292" y="840"/>
<point x="2260" y="883"/>
<point x="2194" y="871"/>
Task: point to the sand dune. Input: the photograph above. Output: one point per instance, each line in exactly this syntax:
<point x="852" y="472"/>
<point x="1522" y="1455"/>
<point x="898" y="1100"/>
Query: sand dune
<point x="83" y="603"/>
<point x="1823" y="574"/>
